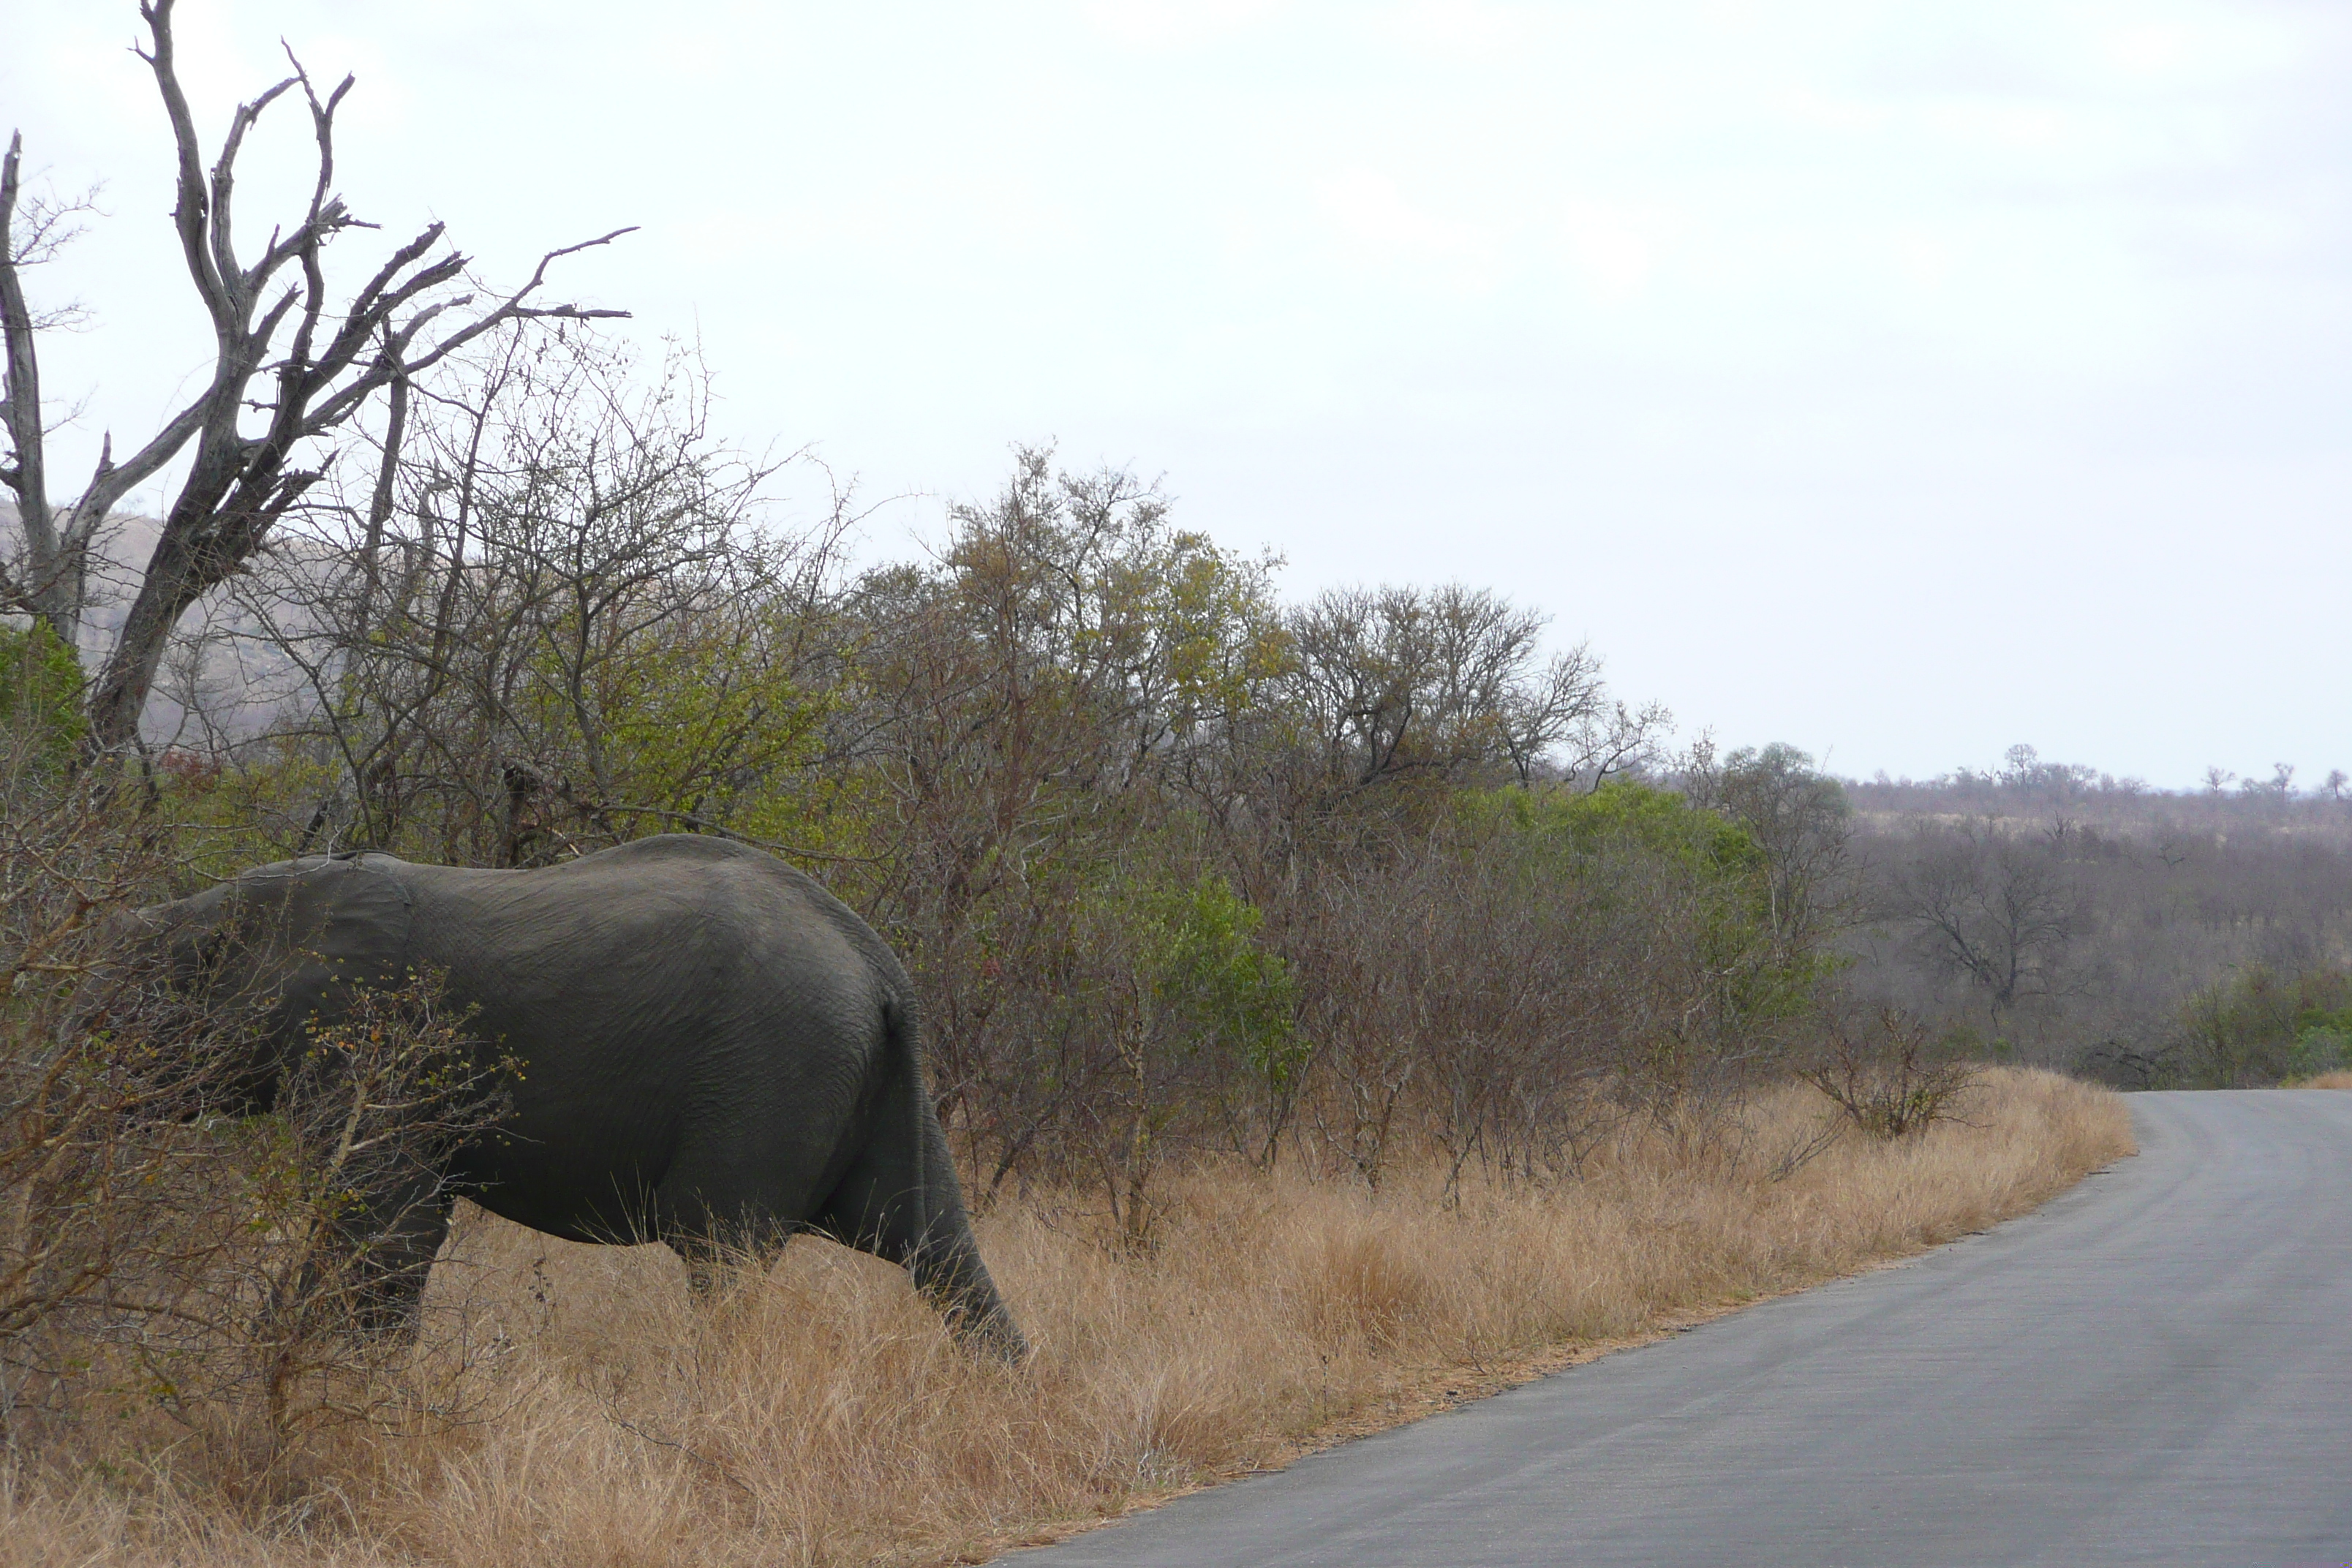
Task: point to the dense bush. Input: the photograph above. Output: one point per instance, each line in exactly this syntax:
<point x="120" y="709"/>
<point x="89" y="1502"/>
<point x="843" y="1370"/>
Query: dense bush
<point x="162" y="1247"/>
<point x="1181" y="870"/>
<point x="2259" y="1026"/>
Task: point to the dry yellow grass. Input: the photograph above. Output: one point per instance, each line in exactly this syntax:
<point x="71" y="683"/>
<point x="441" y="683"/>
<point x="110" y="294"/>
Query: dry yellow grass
<point x="2325" y="1080"/>
<point x="819" y="1416"/>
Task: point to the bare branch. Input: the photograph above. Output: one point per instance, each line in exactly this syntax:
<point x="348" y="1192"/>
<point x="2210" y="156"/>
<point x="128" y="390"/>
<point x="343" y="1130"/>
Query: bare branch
<point x="223" y="180"/>
<point x="188" y="216"/>
<point x="20" y="403"/>
<point x="239" y="485"/>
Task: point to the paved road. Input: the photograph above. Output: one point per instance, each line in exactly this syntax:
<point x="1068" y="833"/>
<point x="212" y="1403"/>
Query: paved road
<point x="2155" y="1368"/>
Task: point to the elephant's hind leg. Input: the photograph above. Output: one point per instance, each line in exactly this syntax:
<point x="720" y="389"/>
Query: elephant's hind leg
<point x="900" y="1201"/>
<point x="725" y="1219"/>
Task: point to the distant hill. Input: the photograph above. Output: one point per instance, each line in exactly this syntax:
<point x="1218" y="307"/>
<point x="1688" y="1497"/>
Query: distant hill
<point x="223" y="681"/>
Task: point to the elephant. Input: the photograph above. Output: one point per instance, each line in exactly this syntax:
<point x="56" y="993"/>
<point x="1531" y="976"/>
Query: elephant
<point x="707" y="1049"/>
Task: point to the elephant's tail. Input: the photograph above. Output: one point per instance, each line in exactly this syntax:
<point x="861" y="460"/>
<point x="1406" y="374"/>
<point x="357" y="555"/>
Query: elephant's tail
<point x="945" y="1258"/>
<point x="903" y="1045"/>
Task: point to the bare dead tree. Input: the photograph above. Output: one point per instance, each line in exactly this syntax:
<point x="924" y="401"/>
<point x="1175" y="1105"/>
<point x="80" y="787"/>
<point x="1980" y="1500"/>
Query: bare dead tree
<point x="273" y="317"/>
<point x="33" y="230"/>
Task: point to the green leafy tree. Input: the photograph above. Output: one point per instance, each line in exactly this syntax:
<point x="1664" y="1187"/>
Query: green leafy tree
<point x="1224" y="997"/>
<point x="40" y="695"/>
<point x="2260" y="1026"/>
<point x="1627" y="839"/>
<point x="1200" y="1008"/>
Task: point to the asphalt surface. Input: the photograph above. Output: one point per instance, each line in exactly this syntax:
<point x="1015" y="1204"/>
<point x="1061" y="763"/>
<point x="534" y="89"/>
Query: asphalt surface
<point x="2156" y="1367"/>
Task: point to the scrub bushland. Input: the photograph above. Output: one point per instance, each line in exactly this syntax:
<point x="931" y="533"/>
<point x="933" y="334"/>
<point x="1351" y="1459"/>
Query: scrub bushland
<point x="2045" y="912"/>
<point x="818" y="1414"/>
<point x="1331" y="1003"/>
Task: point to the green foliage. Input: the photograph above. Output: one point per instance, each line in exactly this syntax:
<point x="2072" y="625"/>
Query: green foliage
<point x="1621" y="814"/>
<point x="1211" y="982"/>
<point x="689" y="723"/>
<point x="2321" y="1048"/>
<point x="40" y="694"/>
<point x="2323" y="1042"/>
<point x="1626" y="838"/>
<point x="1200" y="1019"/>
<point x="2261" y="1027"/>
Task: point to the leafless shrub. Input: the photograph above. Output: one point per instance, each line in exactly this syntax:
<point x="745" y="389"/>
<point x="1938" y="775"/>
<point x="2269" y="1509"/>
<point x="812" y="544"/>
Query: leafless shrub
<point x="1452" y="1001"/>
<point x="556" y="622"/>
<point x="97" y="1084"/>
<point x="161" y="1248"/>
<point x="338" y="1193"/>
<point x="1885" y="1077"/>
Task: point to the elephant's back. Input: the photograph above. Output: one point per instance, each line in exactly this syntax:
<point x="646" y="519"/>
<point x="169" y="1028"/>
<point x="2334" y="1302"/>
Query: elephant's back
<point x="679" y="920"/>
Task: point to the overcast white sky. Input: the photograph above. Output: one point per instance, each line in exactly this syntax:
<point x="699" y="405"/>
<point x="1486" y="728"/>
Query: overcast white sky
<point x="1902" y="380"/>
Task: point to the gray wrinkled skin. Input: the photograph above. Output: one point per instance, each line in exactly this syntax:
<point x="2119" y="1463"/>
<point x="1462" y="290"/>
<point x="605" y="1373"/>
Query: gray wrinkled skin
<point x="712" y="1049"/>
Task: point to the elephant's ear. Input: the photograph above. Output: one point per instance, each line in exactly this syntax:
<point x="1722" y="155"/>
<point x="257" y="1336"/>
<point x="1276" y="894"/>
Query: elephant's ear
<point x="330" y="924"/>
